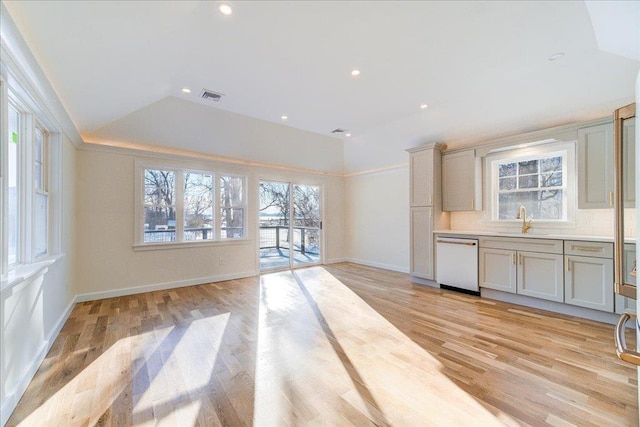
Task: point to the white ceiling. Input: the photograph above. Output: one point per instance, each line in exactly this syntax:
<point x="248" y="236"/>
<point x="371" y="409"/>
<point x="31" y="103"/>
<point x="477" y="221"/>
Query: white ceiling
<point x="482" y="61"/>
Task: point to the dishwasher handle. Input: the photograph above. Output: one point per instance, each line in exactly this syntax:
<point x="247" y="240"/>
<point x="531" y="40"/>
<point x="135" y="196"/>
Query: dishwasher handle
<point x="458" y="242"/>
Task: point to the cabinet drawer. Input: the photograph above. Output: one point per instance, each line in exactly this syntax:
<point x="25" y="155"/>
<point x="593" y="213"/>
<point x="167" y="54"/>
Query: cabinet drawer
<point x="591" y="249"/>
<point x="522" y="244"/>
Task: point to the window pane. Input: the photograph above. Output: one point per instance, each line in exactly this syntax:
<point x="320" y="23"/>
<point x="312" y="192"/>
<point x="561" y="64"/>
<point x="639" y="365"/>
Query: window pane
<point x="38" y="156"/>
<point x="232" y="223"/>
<point x="160" y="211"/>
<point x="198" y="206"/>
<point x="159" y="224"/>
<point x="508" y="183"/>
<point x="13" y="186"/>
<point x="529" y="166"/>
<point x="552" y="164"/>
<point x="507" y="169"/>
<point x="41" y="224"/>
<point x="551" y="179"/>
<point x="543" y="204"/>
<point x="529" y="181"/>
<point x="159" y="187"/>
<point x="231" y="191"/>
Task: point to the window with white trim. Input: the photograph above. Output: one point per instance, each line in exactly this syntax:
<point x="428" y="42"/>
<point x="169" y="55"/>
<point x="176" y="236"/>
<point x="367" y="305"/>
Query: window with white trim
<point x="179" y="206"/>
<point x="540" y="180"/>
<point x="26" y="185"/>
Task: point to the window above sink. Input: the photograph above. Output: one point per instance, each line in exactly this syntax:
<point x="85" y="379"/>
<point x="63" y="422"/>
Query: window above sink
<point x="540" y="178"/>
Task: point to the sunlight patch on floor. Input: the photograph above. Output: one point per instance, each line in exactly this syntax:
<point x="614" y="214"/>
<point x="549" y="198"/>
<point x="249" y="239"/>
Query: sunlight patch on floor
<point x="325" y="355"/>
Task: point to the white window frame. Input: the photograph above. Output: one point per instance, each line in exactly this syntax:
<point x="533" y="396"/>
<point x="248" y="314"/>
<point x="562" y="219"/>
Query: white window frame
<point x="565" y="149"/>
<point x="32" y="117"/>
<point x="180" y="168"/>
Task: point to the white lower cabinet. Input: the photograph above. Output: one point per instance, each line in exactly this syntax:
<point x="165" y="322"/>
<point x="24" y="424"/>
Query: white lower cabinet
<point x="588" y="282"/>
<point x="498" y="269"/>
<point x="540" y="275"/>
<point x="534" y="274"/>
<point x="570" y="271"/>
<point x="422" y="242"/>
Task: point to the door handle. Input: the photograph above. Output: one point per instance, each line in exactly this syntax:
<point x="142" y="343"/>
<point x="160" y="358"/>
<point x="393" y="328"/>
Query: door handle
<point x="623" y="353"/>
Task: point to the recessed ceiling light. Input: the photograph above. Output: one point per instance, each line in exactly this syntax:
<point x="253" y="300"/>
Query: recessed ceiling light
<point x="284" y="117"/>
<point x="225" y="9"/>
<point x="423" y="106"/>
<point x="186" y="90"/>
<point x="355" y="73"/>
<point x="348" y="134"/>
<point x="556" y="56"/>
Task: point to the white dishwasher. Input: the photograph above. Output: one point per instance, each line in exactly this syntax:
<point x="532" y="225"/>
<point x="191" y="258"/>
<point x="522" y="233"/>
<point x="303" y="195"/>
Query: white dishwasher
<point x="457" y="263"/>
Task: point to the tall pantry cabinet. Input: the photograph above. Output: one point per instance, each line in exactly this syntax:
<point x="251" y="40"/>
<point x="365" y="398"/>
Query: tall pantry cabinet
<point x="425" y="208"/>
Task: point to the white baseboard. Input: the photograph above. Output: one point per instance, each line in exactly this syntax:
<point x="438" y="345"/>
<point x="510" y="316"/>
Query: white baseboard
<point x="13" y="396"/>
<point x="335" y="260"/>
<point x="91" y="296"/>
<point x="391" y="267"/>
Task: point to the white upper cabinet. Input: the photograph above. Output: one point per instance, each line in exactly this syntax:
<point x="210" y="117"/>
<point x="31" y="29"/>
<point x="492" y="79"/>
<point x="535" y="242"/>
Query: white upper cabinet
<point x="595" y="166"/>
<point x="461" y="181"/>
<point x="422" y="175"/>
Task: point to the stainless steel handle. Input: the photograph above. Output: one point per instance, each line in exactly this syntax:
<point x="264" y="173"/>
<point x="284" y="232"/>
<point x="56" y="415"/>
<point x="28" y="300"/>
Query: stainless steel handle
<point x="621" y="287"/>
<point x="473" y="204"/>
<point x="568" y="263"/>
<point x="513" y="258"/>
<point x="623" y="353"/>
<point x="456" y="243"/>
<point x="610" y="198"/>
<point x="588" y="248"/>
<point x="520" y="259"/>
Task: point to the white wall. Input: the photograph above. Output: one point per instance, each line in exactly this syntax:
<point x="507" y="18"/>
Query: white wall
<point x="34" y="311"/>
<point x="174" y="122"/>
<point x="377" y="218"/>
<point x="107" y="263"/>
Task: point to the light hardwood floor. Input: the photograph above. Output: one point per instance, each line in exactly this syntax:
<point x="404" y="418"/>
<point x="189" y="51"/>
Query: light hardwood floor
<point x="334" y="345"/>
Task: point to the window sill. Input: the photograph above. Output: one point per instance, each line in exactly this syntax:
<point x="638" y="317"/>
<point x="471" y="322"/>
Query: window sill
<point x="25" y="272"/>
<point x="181" y="245"/>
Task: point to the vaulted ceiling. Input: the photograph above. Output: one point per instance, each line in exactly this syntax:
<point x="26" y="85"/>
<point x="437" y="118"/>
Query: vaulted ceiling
<point x="483" y="68"/>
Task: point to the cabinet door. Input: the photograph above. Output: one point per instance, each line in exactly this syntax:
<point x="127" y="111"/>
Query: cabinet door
<point x="628" y="263"/>
<point x="588" y="282"/>
<point x="422" y="242"/>
<point x="498" y="269"/>
<point x="541" y="275"/>
<point x="595" y="167"/>
<point x="422" y="178"/>
<point x="461" y="189"/>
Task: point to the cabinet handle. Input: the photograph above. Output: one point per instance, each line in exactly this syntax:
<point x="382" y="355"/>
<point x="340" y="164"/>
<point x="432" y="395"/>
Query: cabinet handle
<point x="520" y="259"/>
<point x="430" y="199"/>
<point x="473" y="204"/>
<point x="588" y="248"/>
<point x="513" y="258"/>
<point x="567" y="263"/>
<point x="610" y="198"/>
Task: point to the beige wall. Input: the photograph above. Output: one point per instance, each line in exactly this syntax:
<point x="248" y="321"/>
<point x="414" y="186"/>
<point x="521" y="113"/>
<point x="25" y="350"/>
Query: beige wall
<point x="109" y="265"/>
<point x="377" y="219"/>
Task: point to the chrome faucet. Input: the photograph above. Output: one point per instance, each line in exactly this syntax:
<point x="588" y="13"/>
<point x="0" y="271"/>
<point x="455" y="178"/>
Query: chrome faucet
<point x="522" y="214"/>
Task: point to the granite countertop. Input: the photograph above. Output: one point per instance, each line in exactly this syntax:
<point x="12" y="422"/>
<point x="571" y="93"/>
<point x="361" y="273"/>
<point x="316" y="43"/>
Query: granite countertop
<point x="531" y="235"/>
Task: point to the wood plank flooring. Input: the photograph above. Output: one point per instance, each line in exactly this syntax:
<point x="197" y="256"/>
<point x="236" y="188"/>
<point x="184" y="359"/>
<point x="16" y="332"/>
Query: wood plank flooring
<point x="334" y="345"/>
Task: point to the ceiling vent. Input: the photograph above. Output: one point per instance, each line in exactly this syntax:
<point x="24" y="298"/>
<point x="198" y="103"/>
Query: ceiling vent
<point x="339" y="131"/>
<point x="211" y="95"/>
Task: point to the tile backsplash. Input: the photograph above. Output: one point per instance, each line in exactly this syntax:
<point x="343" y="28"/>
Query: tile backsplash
<point x="589" y="222"/>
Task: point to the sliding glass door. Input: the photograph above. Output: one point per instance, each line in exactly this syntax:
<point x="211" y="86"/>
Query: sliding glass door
<point x="290" y="225"/>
